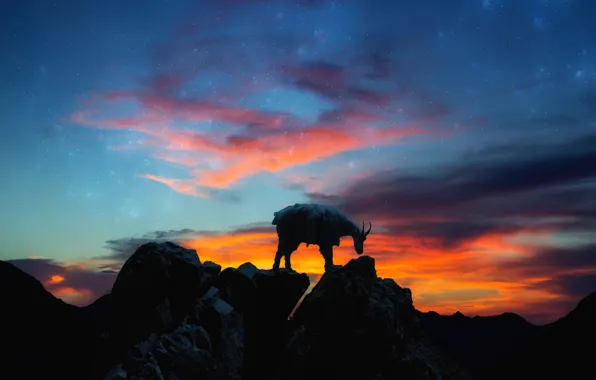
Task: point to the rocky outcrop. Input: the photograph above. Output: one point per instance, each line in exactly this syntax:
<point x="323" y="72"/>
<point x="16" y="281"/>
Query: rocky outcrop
<point x="170" y="316"/>
<point x="168" y="321"/>
<point x="154" y="291"/>
<point x="355" y="325"/>
<point x="176" y="318"/>
<point x="207" y="344"/>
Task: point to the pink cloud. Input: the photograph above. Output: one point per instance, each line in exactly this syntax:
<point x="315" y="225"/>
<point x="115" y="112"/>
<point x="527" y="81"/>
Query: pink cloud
<point x="260" y="141"/>
<point x="220" y="141"/>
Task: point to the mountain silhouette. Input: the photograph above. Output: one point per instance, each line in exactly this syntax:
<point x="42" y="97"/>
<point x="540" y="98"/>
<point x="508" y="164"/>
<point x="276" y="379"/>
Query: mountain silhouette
<point x="39" y="333"/>
<point x="171" y="316"/>
<point x="508" y="346"/>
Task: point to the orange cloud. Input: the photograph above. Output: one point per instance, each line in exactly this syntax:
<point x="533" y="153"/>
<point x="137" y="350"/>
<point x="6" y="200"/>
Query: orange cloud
<point x="55" y="279"/>
<point x="484" y="274"/>
<point x="221" y="141"/>
<point x="74" y="296"/>
<point x="182" y="186"/>
<point x="78" y="283"/>
<point x="467" y="278"/>
<point x="222" y="159"/>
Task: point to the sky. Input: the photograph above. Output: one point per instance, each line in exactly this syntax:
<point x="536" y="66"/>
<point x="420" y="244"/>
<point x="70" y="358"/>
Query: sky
<point x="464" y="130"/>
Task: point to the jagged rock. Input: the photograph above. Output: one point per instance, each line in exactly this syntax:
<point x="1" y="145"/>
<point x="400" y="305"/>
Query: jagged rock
<point x="224" y="326"/>
<point x="208" y="344"/>
<point x="354" y="325"/>
<point x="276" y="291"/>
<point x="266" y="298"/>
<point x="212" y="268"/>
<point x="153" y="293"/>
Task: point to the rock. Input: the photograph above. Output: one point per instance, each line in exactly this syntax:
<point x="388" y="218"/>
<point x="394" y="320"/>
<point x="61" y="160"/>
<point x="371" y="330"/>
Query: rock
<point x="212" y="268"/>
<point x="116" y="373"/>
<point x="169" y="316"/>
<point x="153" y="293"/>
<point x="266" y="298"/>
<point x="273" y="293"/>
<point x="354" y="325"/>
<point x="208" y="344"/>
<point x="224" y="325"/>
<point x="154" y="290"/>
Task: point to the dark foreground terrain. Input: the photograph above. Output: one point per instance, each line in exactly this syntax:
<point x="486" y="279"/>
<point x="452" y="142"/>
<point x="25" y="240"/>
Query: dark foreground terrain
<point x="170" y="316"/>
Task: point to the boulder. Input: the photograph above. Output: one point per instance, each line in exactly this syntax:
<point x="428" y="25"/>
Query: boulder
<point x="154" y="291"/>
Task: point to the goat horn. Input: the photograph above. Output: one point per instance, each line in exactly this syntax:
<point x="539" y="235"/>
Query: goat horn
<point x="369" y="228"/>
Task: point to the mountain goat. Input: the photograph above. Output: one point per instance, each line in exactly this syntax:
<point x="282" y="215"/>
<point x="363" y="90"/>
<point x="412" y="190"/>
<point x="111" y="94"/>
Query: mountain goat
<point x="314" y="224"/>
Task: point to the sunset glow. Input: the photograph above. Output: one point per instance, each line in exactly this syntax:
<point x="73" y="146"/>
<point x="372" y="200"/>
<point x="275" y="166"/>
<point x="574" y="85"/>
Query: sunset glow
<point x="467" y="278"/>
<point x="463" y="131"/>
<point x="55" y="279"/>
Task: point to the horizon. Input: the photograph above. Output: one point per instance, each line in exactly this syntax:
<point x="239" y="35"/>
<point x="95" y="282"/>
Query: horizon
<point x="57" y="279"/>
<point x="465" y="132"/>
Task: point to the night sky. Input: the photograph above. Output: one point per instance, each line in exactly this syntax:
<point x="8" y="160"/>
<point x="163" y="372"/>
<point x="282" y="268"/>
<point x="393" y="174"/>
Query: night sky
<point x="464" y="130"/>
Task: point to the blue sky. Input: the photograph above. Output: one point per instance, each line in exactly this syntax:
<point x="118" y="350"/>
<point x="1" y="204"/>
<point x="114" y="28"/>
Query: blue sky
<point x="122" y="121"/>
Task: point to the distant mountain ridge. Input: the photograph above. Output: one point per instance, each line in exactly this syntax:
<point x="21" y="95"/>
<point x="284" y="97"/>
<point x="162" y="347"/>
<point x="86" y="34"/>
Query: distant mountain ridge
<point x="33" y="323"/>
<point x="508" y="346"/>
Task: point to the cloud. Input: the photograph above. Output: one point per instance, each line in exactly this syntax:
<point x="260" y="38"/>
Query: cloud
<point x="444" y="279"/>
<point x="503" y="228"/>
<point x="518" y="219"/>
<point x="458" y="296"/>
<point x="260" y="143"/>
<point x="274" y="97"/>
<point x="565" y="261"/>
<point x="429" y="270"/>
<point x="332" y="81"/>
<point x="568" y="274"/>
<point x="491" y="272"/>
<point x="75" y="284"/>
<point x="220" y="106"/>
<point x="121" y="249"/>
<point x="81" y="284"/>
<point x="578" y="285"/>
<point x="332" y="177"/>
<point x="500" y="189"/>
